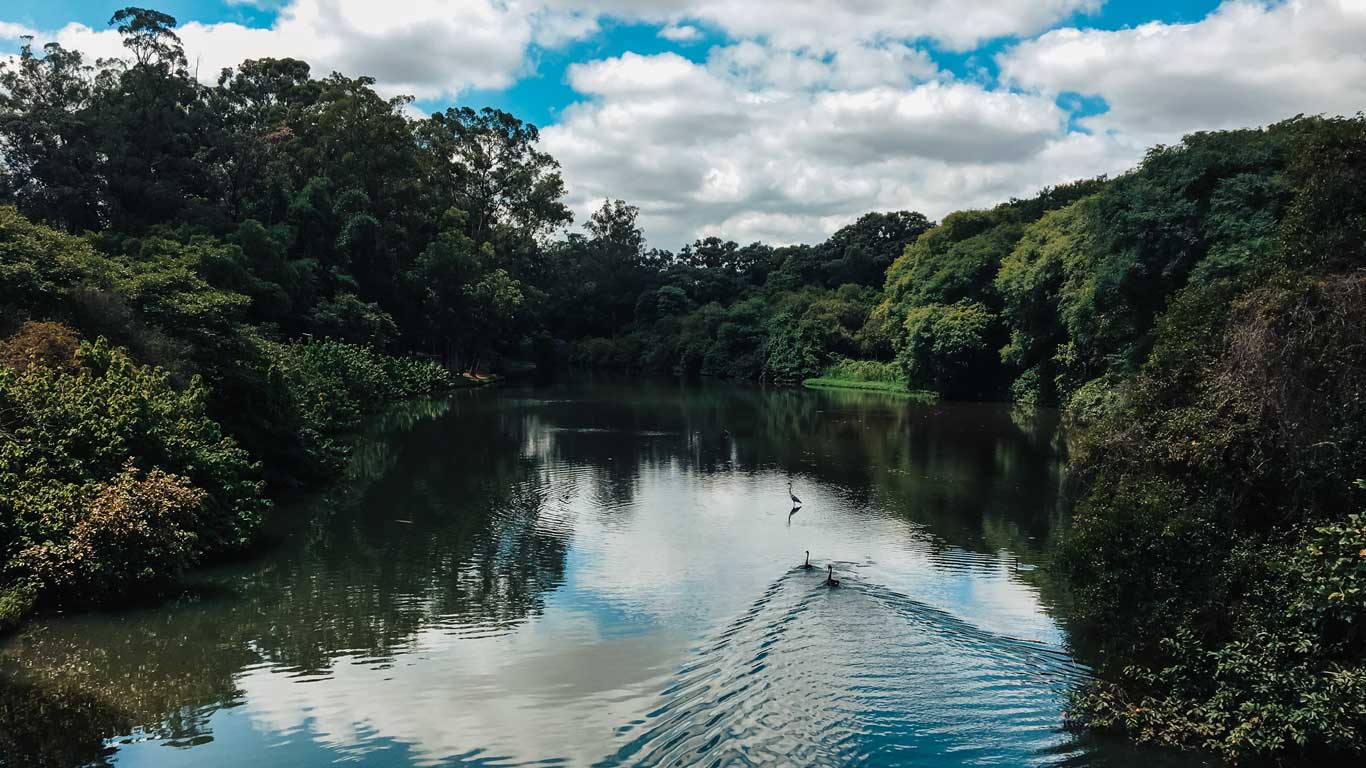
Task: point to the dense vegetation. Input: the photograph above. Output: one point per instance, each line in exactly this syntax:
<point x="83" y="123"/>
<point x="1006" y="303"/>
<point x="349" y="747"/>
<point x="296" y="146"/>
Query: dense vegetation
<point x="202" y="288"/>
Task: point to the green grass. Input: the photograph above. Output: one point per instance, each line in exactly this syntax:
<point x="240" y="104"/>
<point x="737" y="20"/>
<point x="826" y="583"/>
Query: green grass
<point x="887" y="387"/>
<point x="868" y="376"/>
<point x="15" y="604"/>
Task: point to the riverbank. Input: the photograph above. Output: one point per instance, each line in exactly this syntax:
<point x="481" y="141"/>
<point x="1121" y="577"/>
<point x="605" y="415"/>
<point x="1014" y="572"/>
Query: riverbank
<point x="157" y="486"/>
<point x="885" y="387"/>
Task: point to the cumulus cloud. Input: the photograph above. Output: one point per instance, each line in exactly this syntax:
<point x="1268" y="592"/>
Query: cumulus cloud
<point x="1247" y="63"/>
<point x="681" y="33"/>
<point x="741" y="151"/>
<point x="426" y="48"/>
<point x="828" y="24"/>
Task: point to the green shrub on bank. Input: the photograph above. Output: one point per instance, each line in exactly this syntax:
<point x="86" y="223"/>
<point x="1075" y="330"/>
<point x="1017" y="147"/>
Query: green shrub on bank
<point x="132" y="530"/>
<point x="1218" y="554"/>
<point x="76" y="517"/>
<point x="864" y="370"/>
<point x="334" y="384"/>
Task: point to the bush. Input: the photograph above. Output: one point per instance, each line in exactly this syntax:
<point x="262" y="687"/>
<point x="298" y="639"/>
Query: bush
<point x="16" y="602"/>
<point x="43" y="345"/>
<point x="1237" y="451"/>
<point x="864" y="370"/>
<point x="79" y="519"/>
<point x="951" y="349"/>
<point x="334" y="383"/>
<point x="67" y="433"/>
<point x="134" y="530"/>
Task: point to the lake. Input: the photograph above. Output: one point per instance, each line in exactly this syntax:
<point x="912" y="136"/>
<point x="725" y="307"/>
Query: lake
<point x="605" y="572"/>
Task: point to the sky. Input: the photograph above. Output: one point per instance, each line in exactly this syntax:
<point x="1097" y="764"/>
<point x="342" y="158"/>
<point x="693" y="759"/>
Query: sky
<point x="782" y="120"/>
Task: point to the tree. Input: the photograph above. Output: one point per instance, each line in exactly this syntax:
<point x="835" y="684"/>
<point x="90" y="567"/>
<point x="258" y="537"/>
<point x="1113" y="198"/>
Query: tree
<point x="151" y="36"/>
<point x="858" y="253"/>
<point x="49" y="157"/>
<point x="486" y="164"/>
<point x="951" y="349"/>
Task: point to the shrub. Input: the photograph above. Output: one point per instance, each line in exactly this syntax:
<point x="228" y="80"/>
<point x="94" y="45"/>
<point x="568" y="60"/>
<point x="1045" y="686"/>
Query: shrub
<point x="951" y="349"/>
<point x="41" y="344"/>
<point x="864" y="370"/>
<point x="66" y="433"/>
<point x="112" y="476"/>
<point x="334" y="384"/>
<point x="135" y="529"/>
<point x="1217" y="554"/>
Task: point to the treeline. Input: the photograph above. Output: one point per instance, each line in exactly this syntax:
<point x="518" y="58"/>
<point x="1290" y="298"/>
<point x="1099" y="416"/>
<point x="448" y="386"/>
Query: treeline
<point x="203" y="289"/>
<point x="1202" y="320"/>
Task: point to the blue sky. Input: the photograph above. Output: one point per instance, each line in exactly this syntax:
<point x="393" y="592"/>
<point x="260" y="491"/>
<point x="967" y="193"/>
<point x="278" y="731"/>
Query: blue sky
<point x="541" y="94"/>
<point x="784" y="119"/>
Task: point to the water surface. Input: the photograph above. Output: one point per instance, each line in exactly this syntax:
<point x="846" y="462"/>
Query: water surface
<point x="603" y="573"/>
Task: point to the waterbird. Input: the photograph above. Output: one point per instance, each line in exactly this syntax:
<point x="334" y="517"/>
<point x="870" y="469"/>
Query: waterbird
<point x="830" y="580"/>
<point x="806" y="566"/>
<point x="795" y="501"/>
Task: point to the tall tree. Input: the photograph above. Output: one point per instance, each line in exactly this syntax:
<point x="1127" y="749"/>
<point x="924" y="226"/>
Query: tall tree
<point x="488" y="164"/>
<point x="49" y="159"/>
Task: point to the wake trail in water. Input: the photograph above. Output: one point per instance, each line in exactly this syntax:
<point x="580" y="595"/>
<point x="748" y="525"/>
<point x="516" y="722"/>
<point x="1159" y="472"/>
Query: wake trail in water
<point x="861" y="675"/>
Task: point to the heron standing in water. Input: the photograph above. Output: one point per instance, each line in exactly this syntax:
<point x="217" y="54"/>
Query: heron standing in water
<point x="796" y="502"/>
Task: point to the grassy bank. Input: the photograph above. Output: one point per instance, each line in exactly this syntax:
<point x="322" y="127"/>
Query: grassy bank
<point x="891" y="388"/>
<point x="866" y="375"/>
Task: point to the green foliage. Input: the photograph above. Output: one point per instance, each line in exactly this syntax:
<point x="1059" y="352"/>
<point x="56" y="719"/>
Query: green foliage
<point x="1236" y="447"/>
<point x="872" y="375"/>
<point x="334" y="383"/>
<point x="78" y="519"/>
<point x="959" y="263"/>
<point x="66" y="431"/>
<point x="864" y="370"/>
<point x="16" y="602"/>
<point x="950" y="349"/>
<point x="132" y="531"/>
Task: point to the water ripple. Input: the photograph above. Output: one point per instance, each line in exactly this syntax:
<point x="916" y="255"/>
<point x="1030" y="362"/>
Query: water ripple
<point x="853" y="676"/>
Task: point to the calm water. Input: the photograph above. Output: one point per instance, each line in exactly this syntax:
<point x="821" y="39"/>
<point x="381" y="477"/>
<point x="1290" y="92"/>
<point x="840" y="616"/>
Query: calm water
<point x="603" y="573"/>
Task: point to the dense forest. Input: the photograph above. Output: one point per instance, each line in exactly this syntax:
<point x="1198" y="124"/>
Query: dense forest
<point x="203" y="288"/>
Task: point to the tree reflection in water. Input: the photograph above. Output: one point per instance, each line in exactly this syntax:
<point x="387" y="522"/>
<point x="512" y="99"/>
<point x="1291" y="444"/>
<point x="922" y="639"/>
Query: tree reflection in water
<point x="453" y="518"/>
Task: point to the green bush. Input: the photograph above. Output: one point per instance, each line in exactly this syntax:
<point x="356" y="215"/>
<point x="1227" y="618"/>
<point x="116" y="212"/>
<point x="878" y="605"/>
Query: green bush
<point x="864" y="370"/>
<point x="1237" y="451"/>
<point x="951" y="349"/>
<point x="334" y="384"/>
<point x="133" y="530"/>
<point x="67" y="432"/>
<point x="76" y="518"/>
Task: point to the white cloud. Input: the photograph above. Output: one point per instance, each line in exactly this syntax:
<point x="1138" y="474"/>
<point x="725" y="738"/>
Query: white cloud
<point x="10" y="31"/>
<point x="1248" y="63"/>
<point x="830" y="24"/>
<point x="761" y="143"/>
<point x="683" y="33"/>
<point x="427" y="48"/>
